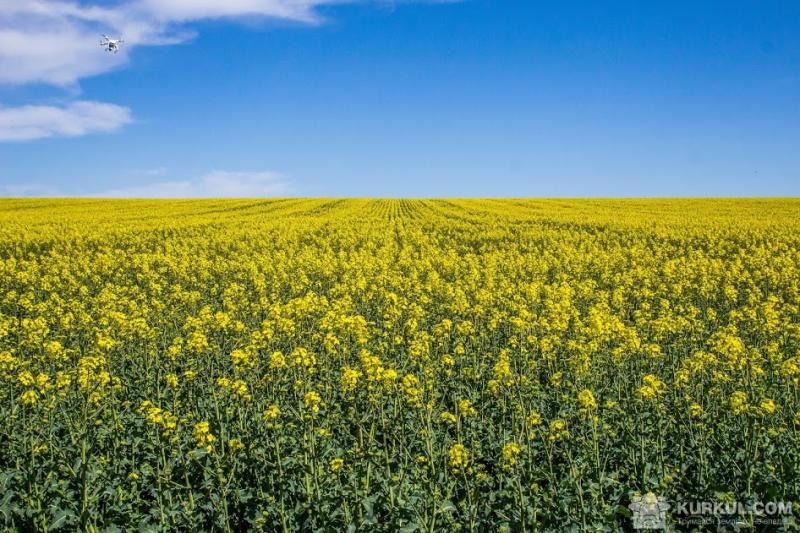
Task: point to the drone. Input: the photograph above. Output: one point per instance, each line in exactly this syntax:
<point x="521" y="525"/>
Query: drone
<point x="111" y="45"/>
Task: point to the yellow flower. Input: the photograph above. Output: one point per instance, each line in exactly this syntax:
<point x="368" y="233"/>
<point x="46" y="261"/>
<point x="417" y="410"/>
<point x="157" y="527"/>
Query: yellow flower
<point x="448" y="418"/>
<point x="203" y="436"/>
<point x="459" y="457"/>
<point x="389" y="377"/>
<point x="791" y="369"/>
<point x="90" y="377"/>
<point x="197" y="342"/>
<point x="242" y="359"/>
<point x="312" y="401"/>
<point x="466" y="409"/>
<point x="656" y="384"/>
<point x="768" y="406"/>
<point x="272" y="412"/>
<point x="8" y="363"/>
<point x="502" y="368"/>
<point x="349" y="379"/>
<point x="648" y="393"/>
<point x="175" y="348"/>
<point x="62" y="381"/>
<point x="277" y="361"/>
<point x="510" y="452"/>
<point x="105" y="343"/>
<point x="448" y="363"/>
<point x="412" y="390"/>
<point x="331" y="343"/>
<point x="586" y="400"/>
<point x="652" y="388"/>
<point x="26" y="378"/>
<point x="237" y="387"/>
<point x="159" y="417"/>
<point x="401" y="313"/>
<point x="55" y="350"/>
<point x="738" y="402"/>
<point x="28" y="397"/>
<point x="557" y="430"/>
<point x="43" y="382"/>
<point x="235" y="445"/>
<point x="304" y="358"/>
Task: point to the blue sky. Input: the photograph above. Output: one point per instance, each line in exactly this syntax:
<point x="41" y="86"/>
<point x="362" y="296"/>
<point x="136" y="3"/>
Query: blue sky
<point x="411" y="98"/>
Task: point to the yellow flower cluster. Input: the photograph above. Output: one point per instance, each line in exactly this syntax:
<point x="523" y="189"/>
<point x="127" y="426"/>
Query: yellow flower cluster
<point x="236" y="387"/>
<point x="159" y="417"/>
<point x="738" y="402"/>
<point x="652" y="387"/>
<point x="350" y="379"/>
<point x="466" y="408"/>
<point x="557" y="430"/>
<point x="336" y="464"/>
<point x="412" y="390"/>
<point x="312" y="401"/>
<point x="509" y="453"/>
<point x="243" y="359"/>
<point x="203" y="437"/>
<point x="586" y="400"/>
<point x="459" y="457"/>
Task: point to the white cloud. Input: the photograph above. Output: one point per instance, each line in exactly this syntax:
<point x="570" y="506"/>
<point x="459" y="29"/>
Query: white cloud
<point x="57" y="42"/>
<point x="186" y="10"/>
<point x="217" y="184"/>
<point x="77" y="118"/>
<point x="54" y="54"/>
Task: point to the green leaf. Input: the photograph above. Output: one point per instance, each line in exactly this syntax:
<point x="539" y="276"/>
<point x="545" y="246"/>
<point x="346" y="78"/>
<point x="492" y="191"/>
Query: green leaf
<point x="409" y="528"/>
<point x="60" y="518"/>
<point x="447" y="507"/>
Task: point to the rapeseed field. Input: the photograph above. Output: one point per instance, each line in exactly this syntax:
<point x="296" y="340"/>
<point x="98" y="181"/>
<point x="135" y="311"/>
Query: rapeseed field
<point x="392" y="365"/>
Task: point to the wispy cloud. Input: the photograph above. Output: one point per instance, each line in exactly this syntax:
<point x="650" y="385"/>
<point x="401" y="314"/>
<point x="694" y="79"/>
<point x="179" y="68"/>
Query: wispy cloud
<point x="77" y="118"/>
<point x="217" y="184"/>
<point x="186" y="10"/>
